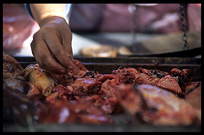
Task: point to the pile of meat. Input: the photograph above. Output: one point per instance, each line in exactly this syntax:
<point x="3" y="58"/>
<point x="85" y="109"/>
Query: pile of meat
<point x="147" y="96"/>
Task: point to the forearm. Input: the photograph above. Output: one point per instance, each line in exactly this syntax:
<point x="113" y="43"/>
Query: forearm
<point x="43" y="11"/>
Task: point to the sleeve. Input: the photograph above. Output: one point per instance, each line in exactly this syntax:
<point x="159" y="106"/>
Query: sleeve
<point x="67" y="9"/>
<point x="27" y="6"/>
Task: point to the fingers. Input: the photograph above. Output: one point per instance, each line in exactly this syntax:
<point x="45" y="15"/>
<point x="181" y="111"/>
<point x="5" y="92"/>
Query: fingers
<point x="51" y="45"/>
<point x="44" y="58"/>
<point x="66" y="42"/>
<point x="68" y="51"/>
<point x="58" y="51"/>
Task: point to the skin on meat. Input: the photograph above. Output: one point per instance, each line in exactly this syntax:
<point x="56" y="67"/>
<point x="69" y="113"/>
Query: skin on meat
<point x="126" y="75"/>
<point x="40" y="79"/>
<point x="86" y="86"/>
<point x="169" y="83"/>
<point x="164" y="108"/>
<point x="80" y="112"/>
<point x="17" y="107"/>
<point x="129" y="99"/>
<point x="79" y="71"/>
<point x="107" y="89"/>
<point x="83" y="96"/>
<point x="193" y="96"/>
<point x="11" y="67"/>
<point x="183" y="77"/>
<point x="19" y="85"/>
<point x="146" y="79"/>
<point x="59" y="93"/>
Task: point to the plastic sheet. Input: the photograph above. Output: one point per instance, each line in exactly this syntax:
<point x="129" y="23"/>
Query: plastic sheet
<point x="17" y="26"/>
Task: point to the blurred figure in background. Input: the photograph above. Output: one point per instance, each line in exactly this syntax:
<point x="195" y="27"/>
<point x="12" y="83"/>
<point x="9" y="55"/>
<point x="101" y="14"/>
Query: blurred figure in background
<point x="51" y="45"/>
<point x="17" y="27"/>
<point x="150" y="18"/>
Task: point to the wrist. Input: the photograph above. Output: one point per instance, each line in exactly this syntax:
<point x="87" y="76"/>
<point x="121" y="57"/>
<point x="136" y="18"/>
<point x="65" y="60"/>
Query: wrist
<point x="51" y="20"/>
<point x="66" y="12"/>
<point x="41" y="12"/>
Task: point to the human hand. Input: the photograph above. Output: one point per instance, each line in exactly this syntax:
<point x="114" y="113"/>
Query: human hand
<point x="51" y="45"/>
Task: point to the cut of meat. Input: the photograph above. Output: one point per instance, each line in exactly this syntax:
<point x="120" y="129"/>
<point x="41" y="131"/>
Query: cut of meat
<point x="82" y="96"/>
<point x="86" y="86"/>
<point x="167" y="108"/>
<point x="169" y="83"/>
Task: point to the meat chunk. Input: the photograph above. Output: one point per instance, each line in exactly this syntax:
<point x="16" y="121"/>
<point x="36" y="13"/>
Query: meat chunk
<point x="183" y="77"/>
<point x="129" y="99"/>
<point x="11" y="67"/>
<point x="19" y="85"/>
<point x="83" y="96"/>
<point x="96" y="100"/>
<point x="143" y="78"/>
<point x="17" y="107"/>
<point x="84" y="86"/>
<point x="164" y="108"/>
<point x="80" y="112"/>
<point x="153" y="73"/>
<point x="156" y="106"/>
<point x="107" y="92"/>
<point x="108" y="89"/>
<point x="104" y="77"/>
<point x="126" y="75"/>
<point x="59" y="93"/>
<point x="193" y="95"/>
<point x="92" y="74"/>
<point x="79" y="71"/>
<point x="40" y="79"/>
<point x="161" y="79"/>
<point x="63" y="79"/>
<point x="169" y="83"/>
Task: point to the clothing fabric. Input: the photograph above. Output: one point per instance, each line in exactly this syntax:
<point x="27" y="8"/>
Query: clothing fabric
<point x="119" y="18"/>
<point x="148" y="18"/>
<point x="67" y="9"/>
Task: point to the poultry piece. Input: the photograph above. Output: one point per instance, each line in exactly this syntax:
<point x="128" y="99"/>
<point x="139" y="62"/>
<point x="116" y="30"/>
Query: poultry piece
<point x="17" y="107"/>
<point x="108" y="106"/>
<point x="143" y="78"/>
<point x="174" y="82"/>
<point x="19" y="85"/>
<point x="75" y="112"/>
<point x="107" y="90"/>
<point x="96" y="100"/>
<point x="92" y="74"/>
<point x="59" y="93"/>
<point x="169" y="83"/>
<point x="129" y="98"/>
<point x="150" y="76"/>
<point x="104" y="77"/>
<point x="68" y="79"/>
<point x="164" y="108"/>
<point x="86" y="86"/>
<point x="11" y="67"/>
<point x="193" y="94"/>
<point x="107" y="93"/>
<point x="126" y="75"/>
<point x="183" y="77"/>
<point x="63" y="79"/>
<point x="41" y="80"/>
<point x="159" y="78"/>
<point x="155" y="73"/>
<point x="83" y="96"/>
<point x="156" y="106"/>
<point x="79" y="71"/>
